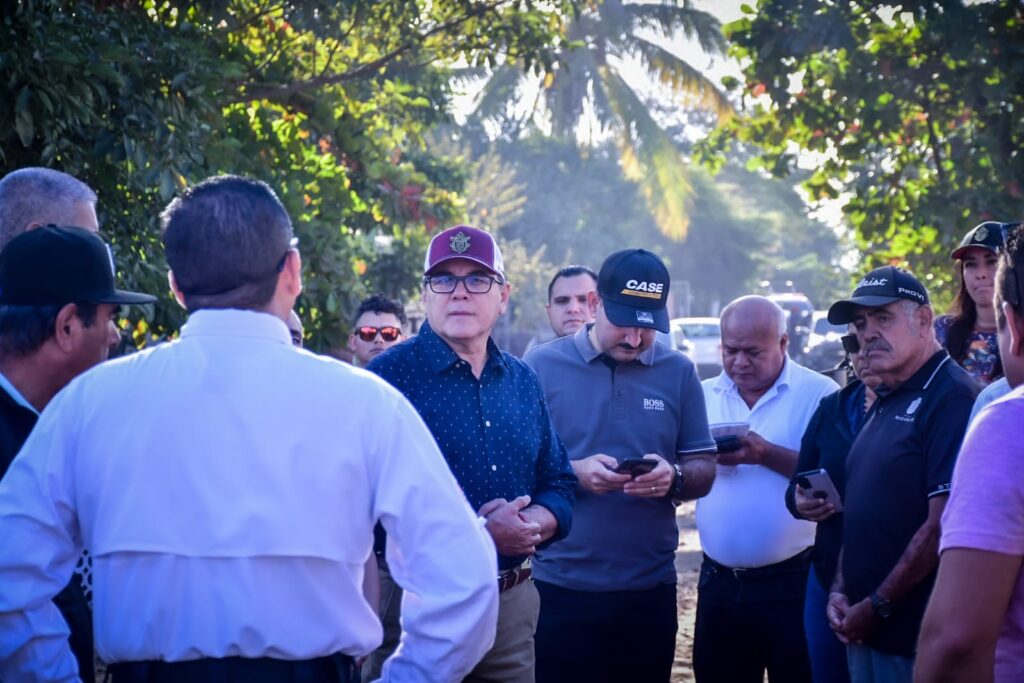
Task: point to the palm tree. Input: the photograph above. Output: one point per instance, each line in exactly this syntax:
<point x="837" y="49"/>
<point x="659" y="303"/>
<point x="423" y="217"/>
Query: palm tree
<point x="587" y="86"/>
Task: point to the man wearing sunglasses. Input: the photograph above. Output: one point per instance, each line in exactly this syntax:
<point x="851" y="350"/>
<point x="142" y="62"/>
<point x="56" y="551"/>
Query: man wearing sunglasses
<point x="486" y="410"/>
<point x="377" y="327"/>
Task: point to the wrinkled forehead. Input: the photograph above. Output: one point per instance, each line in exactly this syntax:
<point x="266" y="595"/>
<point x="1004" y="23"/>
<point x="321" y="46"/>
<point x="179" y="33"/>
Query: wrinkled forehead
<point x="892" y="308"/>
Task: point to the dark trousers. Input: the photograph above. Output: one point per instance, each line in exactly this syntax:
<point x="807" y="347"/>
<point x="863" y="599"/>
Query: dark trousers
<point x="614" y="636"/>
<point x="337" y="668"/>
<point x="827" y="653"/>
<point x="749" y="622"/>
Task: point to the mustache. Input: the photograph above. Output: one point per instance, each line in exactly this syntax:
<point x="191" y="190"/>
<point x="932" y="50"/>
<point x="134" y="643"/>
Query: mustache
<point x="627" y="347"/>
<point x="877" y="346"/>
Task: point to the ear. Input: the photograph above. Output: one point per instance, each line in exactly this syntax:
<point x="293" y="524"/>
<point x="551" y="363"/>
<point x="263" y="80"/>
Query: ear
<point x="292" y="273"/>
<point x="352" y="343"/>
<point x="1015" y="326"/>
<point x="927" y="314"/>
<point x="506" y="291"/>
<point x="592" y="301"/>
<point x="67" y="327"/>
<point x="784" y="342"/>
<point x="179" y="296"/>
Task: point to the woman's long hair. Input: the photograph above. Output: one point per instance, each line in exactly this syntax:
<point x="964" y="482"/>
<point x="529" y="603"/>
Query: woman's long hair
<point x="965" y="314"/>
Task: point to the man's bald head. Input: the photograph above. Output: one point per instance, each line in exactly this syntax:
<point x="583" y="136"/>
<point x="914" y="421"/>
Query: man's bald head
<point x="753" y="345"/>
<point x="30" y="197"/>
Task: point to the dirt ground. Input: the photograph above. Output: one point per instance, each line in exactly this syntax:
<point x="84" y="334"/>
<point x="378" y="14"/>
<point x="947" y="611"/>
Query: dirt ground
<point x="688" y="559"/>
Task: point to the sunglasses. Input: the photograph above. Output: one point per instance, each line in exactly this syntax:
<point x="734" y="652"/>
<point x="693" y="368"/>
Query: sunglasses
<point x="368" y="333"/>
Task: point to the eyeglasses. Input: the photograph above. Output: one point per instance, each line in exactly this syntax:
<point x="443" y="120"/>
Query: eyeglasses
<point x="368" y="333"/>
<point x="446" y="284"/>
<point x="292" y="243"/>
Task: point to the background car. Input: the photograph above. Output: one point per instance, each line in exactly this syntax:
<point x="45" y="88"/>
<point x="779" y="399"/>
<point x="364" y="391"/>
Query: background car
<point x="706" y="338"/>
<point x="799" y="313"/>
<point x="824" y="348"/>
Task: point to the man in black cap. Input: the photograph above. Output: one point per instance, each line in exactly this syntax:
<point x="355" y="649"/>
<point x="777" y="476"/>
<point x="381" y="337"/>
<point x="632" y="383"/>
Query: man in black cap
<point x="631" y="414"/>
<point x="898" y="474"/>
<point x="58" y="311"/>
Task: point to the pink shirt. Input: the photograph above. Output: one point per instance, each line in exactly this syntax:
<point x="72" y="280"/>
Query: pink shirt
<point x="986" y="510"/>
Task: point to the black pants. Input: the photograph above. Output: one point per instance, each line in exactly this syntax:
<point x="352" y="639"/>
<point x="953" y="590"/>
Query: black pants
<point x="617" y="636"/>
<point x="750" y="622"/>
<point x="337" y="668"/>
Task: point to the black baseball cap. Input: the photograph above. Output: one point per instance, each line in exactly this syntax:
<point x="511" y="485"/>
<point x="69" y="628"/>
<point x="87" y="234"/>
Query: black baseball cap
<point x="988" y="235"/>
<point x="59" y="265"/>
<point x="880" y="287"/>
<point x="633" y="284"/>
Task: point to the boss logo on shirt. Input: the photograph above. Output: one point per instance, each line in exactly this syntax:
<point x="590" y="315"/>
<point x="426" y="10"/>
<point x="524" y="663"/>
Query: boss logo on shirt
<point x="654" y="404"/>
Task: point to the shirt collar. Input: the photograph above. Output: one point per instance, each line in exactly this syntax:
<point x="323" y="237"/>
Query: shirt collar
<point x="582" y="341"/>
<point x="922" y="378"/>
<point x="15" y="395"/>
<point x="231" y="322"/>
<point x="724" y="384"/>
<point x="441" y="356"/>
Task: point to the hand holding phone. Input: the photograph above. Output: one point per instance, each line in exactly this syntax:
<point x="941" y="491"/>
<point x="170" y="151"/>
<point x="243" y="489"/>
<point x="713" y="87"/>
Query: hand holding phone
<point x="634" y="467"/>
<point x="818" y="485"/>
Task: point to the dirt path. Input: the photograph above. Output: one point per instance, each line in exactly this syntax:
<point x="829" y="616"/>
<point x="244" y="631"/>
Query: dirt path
<point x="688" y="559"/>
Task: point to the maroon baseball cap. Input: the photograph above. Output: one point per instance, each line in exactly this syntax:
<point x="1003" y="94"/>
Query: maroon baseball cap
<point x="466" y="242"/>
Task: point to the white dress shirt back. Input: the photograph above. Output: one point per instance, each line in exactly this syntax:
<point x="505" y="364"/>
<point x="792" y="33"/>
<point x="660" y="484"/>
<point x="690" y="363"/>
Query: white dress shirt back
<point x="227" y="485"/>
<point x="743" y="521"/>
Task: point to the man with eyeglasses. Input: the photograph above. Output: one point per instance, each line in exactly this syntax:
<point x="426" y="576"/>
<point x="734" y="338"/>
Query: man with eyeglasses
<point x="227" y="484"/>
<point x="974" y="627"/>
<point x="898" y="475"/>
<point x="487" y="413"/>
<point x="376" y="328"/>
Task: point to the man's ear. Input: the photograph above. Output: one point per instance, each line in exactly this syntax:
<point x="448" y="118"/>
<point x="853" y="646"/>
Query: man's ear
<point x="179" y="296"/>
<point x="927" y="316"/>
<point x="784" y="342"/>
<point x="592" y="300"/>
<point x="506" y="291"/>
<point x="66" y="327"/>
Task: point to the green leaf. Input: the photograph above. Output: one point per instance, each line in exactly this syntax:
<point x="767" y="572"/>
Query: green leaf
<point x="23" y="124"/>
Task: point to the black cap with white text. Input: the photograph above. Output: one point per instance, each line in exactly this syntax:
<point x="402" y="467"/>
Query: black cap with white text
<point x="879" y="288"/>
<point x="633" y="284"/>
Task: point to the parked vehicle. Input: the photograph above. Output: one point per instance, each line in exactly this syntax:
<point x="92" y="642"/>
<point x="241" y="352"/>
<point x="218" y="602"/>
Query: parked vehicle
<point x="824" y="348"/>
<point x="799" y="314"/>
<point x="706" y="337"/>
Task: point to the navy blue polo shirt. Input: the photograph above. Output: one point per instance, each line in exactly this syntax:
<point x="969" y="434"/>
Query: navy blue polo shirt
<point x="654" y="404"/>
<point x="903" y="456"/>
<point x="494" y="432"/>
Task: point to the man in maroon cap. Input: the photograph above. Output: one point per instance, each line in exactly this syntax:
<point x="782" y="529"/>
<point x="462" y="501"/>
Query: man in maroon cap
<point x="486" y="410"/>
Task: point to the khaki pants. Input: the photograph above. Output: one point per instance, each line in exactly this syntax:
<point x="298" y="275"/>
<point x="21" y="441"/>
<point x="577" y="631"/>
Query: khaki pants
<point x="511" y="659"/>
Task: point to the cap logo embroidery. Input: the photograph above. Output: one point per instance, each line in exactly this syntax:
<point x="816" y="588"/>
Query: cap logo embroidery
<point x="873" y="282"/>
<point x="644" y="317"/>
<point x="460" y="242"/>
<point x="980" y="234"/>
<point x="916" y="295"/>
<point x="647" y="290"/>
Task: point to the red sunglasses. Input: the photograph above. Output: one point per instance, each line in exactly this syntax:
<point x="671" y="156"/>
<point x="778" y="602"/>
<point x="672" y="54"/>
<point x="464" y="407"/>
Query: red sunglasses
<point x="368" y="333"/>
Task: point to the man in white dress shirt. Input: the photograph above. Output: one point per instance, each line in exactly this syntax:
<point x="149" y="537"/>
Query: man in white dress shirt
<point x="752" y="583"/>
<point x="229" y="523"/>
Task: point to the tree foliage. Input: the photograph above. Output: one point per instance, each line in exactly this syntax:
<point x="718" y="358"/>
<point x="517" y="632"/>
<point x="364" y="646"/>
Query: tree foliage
<point x="326" y="101"/>
<point x="911" y="111"/>
<point x="587" y="86"/>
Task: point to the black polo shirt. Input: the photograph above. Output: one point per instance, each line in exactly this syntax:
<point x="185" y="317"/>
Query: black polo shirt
<point x="903" y="455"/>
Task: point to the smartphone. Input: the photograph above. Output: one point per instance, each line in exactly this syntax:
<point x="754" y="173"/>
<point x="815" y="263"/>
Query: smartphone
<point x="634" y="467"/>
<point x="727" y="444"/>
<point x="818" y="484"/>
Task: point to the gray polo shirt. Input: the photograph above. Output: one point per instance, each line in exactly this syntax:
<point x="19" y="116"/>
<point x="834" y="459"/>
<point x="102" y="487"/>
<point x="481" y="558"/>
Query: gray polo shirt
<point x="652" y="405"/>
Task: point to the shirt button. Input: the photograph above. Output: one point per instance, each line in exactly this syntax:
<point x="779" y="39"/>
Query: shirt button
<point x="494" y="468"/>
<point x="487" y="423"/>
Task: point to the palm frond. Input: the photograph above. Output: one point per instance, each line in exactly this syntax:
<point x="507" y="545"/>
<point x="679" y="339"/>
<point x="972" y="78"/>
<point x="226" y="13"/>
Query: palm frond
<point x="650" y="158"/>
<point x="670" y="18"/>
<point x="501" y="89"/>
<point x="567" y="95"/>
<point x="681" y="77"/>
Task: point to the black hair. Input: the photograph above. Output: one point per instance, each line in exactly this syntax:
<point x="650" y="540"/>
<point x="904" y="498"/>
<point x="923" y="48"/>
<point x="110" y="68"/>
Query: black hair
<point x="226" y="240"/>
<point x="1010" y="277"/>
<point x="378" y="303"/>
<point x="570" y="271"/>
<point x="24" y="329"/>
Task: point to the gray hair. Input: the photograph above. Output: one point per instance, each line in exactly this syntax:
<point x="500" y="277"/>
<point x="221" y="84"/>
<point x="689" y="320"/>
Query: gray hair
<point x="39" y="196"/>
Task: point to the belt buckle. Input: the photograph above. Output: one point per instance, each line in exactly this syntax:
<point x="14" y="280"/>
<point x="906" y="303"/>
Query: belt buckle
<point x="738" y="572"/>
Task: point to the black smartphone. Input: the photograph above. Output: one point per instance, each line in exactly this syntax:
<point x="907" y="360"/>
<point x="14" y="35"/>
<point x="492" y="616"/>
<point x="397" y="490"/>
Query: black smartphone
<point x="634" y="467"/>
<point x="727" y="444"/>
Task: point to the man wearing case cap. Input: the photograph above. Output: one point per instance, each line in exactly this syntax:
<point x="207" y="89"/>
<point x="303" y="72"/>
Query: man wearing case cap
<point x="898" y="475"/>
<point x="58" y="310"/>
<point x="608" y="591"/>
<point x="487" y="413"/>
<point x="228" y="520"/>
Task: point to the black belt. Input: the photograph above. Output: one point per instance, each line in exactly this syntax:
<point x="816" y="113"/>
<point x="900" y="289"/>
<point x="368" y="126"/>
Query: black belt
<point x="337" y="668"/>
<point x="797" y="563"/>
